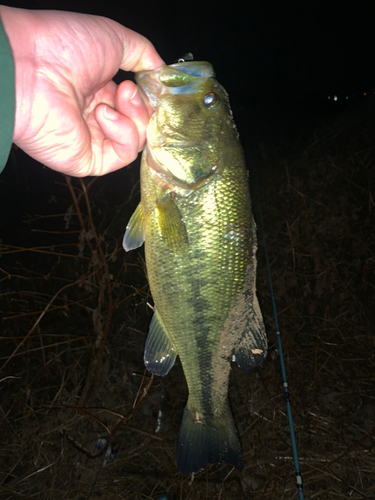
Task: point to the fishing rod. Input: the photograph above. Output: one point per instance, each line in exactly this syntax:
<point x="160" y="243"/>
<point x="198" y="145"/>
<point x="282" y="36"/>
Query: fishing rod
<point x="280" y="347"/>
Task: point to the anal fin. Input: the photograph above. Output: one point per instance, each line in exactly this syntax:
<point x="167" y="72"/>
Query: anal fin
<point x="252" y="349"/>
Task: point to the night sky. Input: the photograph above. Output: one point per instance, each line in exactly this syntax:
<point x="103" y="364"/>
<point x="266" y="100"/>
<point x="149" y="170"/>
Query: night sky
<point x="276" y="52"/>
<point x="281" y="54"/>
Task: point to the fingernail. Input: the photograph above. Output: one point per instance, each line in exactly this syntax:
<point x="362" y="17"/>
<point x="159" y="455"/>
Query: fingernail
<point x="136" y="99"/>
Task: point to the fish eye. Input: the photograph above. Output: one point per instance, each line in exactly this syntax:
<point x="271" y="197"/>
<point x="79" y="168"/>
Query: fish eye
<point x="211" y="100"/>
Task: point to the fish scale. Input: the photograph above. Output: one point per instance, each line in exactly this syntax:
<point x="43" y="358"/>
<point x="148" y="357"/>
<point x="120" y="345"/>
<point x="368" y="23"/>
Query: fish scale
<point x="196" y="222"/>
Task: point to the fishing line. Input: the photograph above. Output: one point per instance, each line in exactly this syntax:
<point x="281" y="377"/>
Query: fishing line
<point x="283" y="372"/>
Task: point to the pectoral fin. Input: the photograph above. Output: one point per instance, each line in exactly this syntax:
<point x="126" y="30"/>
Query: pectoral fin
<point x="159" y="355"/>
<point x="171" y="225"/>
<point x="133" y="237"/>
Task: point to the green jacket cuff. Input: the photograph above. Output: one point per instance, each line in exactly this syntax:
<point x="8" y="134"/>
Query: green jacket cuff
<point x="7" y="98"/>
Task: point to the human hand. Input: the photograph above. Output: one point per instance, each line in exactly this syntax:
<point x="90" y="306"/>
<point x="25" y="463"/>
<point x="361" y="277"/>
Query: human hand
<point x="70" y="115"/>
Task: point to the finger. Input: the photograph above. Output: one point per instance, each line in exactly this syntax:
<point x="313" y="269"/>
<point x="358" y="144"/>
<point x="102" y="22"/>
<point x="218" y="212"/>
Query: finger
<point x="121" y="145"/>
<point x="139" y="53"/>
<point x="130" y="102"/>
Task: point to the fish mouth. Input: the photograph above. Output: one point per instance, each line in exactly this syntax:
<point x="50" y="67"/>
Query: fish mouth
<point x="200" y="69"/>
<point x="151" y="86"/>
<point x="178" y="78"/>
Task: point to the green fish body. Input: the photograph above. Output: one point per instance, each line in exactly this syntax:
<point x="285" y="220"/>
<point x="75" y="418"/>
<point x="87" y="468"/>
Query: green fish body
<point x="196" y="222"/>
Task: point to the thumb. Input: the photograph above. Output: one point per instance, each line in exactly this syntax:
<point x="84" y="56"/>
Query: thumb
<point x="139" y="53"/>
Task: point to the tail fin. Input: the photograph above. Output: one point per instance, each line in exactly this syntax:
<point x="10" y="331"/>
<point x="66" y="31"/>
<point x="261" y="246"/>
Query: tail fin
<point x="200" y="442"/>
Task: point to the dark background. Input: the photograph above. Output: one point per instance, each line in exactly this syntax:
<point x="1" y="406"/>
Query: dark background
<point x="279" y="63"/>
<point x="280" y="60"/>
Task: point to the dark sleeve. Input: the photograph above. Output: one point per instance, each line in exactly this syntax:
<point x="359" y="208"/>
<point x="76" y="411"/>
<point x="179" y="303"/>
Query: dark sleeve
<point x="7" y="98"/>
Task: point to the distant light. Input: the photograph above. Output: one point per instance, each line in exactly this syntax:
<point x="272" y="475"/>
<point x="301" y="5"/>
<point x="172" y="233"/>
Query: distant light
<point x="335" y="98"/>
<point x="347" y="97"/>
<point x="329" y="97"/>
<point x="365" y="94"/>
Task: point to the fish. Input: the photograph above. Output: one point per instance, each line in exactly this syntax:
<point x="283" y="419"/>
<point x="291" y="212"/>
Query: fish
<point x="195" y="220"/>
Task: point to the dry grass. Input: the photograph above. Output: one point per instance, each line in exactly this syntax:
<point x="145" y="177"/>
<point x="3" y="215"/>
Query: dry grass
<point x="75" y="315"/>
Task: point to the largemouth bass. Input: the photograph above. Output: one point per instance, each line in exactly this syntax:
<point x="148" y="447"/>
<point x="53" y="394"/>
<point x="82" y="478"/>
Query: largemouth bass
<point x="196" y="222"/>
